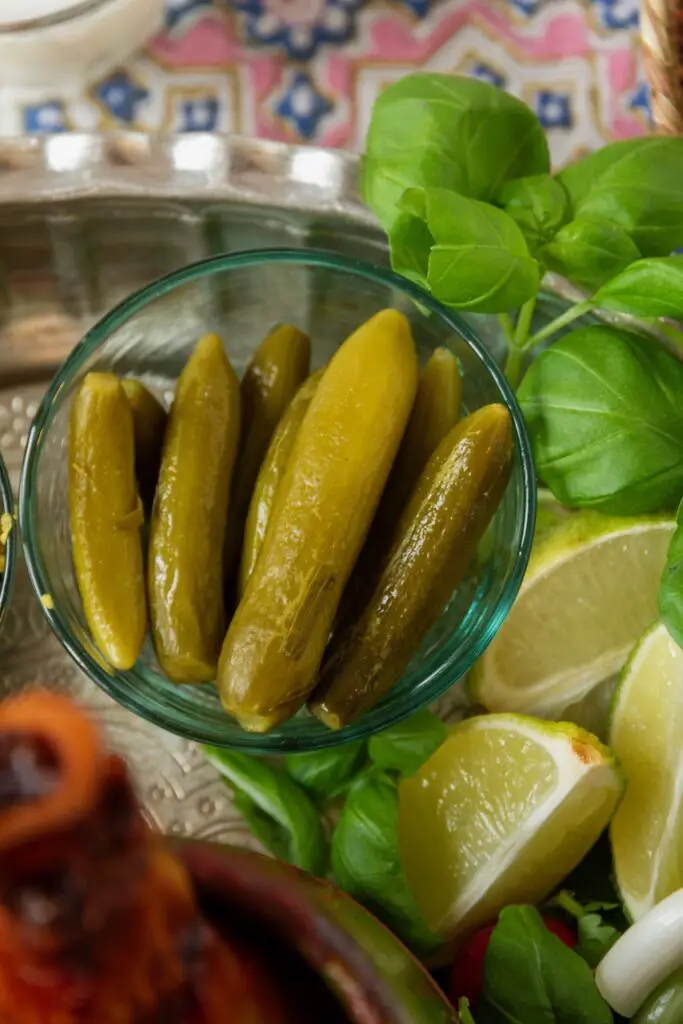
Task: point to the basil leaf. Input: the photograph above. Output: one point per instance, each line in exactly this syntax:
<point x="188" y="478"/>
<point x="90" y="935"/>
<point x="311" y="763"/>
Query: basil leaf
<point x="366" y="862"/>
<point x="405" y="747"/>
<point x="530" y="976"/>
<point x="596" y="938"/>
<point x="579" y="177"/>
<point x="589" y="251"/>
<point x="267" y="830"/>
<point x="651" y="288"/>
<point x="464" y="1012"/>
<point x="480" y="260"/>
<point x="670" y="599"/>
<point x="643" y="193"/>
<point x="537" y="204"/>
<point x="410" y="243"/>
<point x="604" y="410"/>
<point x="451" y="132"/>
<point x="278" y="811"/>
<point x="326" y="773"/>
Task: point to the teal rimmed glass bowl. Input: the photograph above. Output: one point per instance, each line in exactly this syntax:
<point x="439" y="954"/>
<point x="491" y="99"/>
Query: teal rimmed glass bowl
<point x="10" y="546"/>
<point x="241" y="296"/>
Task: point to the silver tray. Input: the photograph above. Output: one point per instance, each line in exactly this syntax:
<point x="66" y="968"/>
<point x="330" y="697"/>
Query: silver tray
<point x="84" y="220"/>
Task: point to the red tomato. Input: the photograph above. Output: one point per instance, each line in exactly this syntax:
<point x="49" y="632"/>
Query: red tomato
<point x="467" y="974"/>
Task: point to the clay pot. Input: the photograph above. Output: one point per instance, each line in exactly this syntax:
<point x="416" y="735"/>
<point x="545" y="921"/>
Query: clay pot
<point x="337" y="962"/>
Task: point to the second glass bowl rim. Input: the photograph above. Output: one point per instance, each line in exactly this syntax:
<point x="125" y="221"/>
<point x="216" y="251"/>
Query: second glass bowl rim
<point x="132" y="304"/>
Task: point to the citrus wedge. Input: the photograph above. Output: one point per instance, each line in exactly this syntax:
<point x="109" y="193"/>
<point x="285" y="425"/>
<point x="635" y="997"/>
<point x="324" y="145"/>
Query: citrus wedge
<point x="647" y="732"/>
<point x="589" y="593"/>
<point x="500" y="813"/>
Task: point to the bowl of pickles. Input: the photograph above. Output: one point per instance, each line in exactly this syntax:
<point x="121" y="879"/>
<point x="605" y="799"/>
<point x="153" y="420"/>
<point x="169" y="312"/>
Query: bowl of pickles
<point x="7" y="539"/>
<point x="277" y="500"/>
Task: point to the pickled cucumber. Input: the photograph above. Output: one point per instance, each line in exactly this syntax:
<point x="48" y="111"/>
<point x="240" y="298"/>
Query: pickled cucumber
<point x="339" y="465"/>
<point x="187" y="532"/>
<point x="149" y="424"/>
<point x="437" y="536"/>
<point x="106" y="518"/>
<point x="270" y="477"/>
<point x="435" y="413"/>
<point x="277" y="369"/>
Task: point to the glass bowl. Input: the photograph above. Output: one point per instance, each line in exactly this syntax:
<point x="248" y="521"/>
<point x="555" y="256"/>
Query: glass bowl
<point x="10" y="547"/>
<point x="241" y="296"/>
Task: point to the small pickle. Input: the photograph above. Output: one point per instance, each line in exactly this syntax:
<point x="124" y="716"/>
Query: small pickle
<point x="435" y="413"/>
<point x="149" y="424"/>
<point x="438" y="533"/>
<point x="340" y="462"/>
<point x="187" y="532"/>
<point x="106" y="518"/>
<point x="279" y="366"/>
<point x="665" y="1005"/>
<point x="270" y="477"/>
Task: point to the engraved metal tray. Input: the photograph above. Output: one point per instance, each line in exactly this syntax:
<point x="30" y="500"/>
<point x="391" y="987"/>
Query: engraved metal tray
<point x="84" y="220"/>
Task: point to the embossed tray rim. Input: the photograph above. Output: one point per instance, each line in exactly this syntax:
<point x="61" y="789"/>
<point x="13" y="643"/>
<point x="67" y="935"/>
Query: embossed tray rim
<point x="200" y="166"/>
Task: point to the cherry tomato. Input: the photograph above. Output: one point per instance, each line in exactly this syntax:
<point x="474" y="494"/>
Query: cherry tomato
<point x="467" y="974"/>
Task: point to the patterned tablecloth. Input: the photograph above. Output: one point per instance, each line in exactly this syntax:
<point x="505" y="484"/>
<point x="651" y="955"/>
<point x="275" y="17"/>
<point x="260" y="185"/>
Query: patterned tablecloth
<point x="308" y="70"/>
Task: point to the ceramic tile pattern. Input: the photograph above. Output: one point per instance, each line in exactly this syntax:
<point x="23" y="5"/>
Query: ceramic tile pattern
<point x="308" y="70"/>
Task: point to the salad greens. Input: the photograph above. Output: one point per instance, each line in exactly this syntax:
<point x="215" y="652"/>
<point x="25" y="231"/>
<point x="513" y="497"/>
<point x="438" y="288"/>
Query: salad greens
<point x="366" y="861"/>
<point x="404" y="748"/>
<point x="530" y="976"/>
<point x="286" y="808"/>
<point x="278" y="812"/>
<point x="327" y="773"/>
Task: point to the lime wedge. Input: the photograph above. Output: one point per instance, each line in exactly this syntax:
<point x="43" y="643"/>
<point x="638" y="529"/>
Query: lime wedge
<point x="589" y="593"/>
<point x="647" y="732"/>
<point x="500" y="813"/>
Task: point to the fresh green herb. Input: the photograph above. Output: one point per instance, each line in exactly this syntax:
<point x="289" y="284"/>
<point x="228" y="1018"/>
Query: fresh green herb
<point x="670" y="600"/>
<point x="410" y="242"/>
<point x="276" y="809"/>
<point x="605" y="414"/>
<point x="537" y="204"/>
<point x="480" y="260"/>
<point x="650" y="288"/>
<point x="581" y="176"/>
<point x="448" y="132"/>
<point x="640" y="188"/>
<point x="325" y="774"/>
<point x="405" y="747"/>
<point x="596" y="935"/>
<point x="366" y="862"/>
<point x="589" y="251"/>
<point x="531" y="977"/>
<point x="596" y="938"/>
<point x="464" y="1012"/>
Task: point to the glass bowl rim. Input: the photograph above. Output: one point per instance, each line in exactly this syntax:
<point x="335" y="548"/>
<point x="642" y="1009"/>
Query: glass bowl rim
<point x="7" y="505"/>
<point x="453" y="667"/>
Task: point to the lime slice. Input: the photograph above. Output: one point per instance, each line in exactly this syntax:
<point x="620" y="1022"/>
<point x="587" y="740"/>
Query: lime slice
<point x="501" y="813"/>
<point x="647" y="732"/>
<point x="589" y="593"/>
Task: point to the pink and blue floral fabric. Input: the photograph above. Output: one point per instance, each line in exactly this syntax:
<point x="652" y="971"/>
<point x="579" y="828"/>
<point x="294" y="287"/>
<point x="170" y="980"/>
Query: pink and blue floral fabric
<point x="309" y="70"/>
